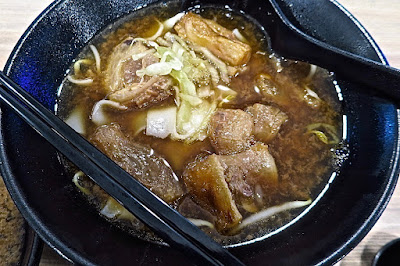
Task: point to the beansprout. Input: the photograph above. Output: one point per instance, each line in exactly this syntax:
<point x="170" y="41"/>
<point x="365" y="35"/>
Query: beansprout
<point x="163" y="42"/>
<point x="77" y="65"/>
<point x="96" y="56"/>
<point x="200" y="223"/>
<point x="139" y="130"/>
<point x="313" y="69"/>
<point x="147" y="42"/>
<point x="158" y="32"/>
<point x="141" y="55"/>
<point x="80" y="82"/>
<point x="239" y="36"/>
<point x="75" y="179"/>
<point x="170" y="23"/>
<point x="98" y="116"/>
<point x="264" y="214"/>
<point x="312" y="93"/>
<point x="173" y="37"/>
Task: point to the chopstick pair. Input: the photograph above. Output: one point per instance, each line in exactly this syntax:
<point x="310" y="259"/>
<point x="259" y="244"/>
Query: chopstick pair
<point x="166" y="222"/>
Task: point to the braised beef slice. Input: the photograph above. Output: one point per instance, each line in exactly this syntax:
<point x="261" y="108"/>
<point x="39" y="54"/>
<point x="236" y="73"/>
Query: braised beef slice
<point x="283" y="90"/>
<point x="205" y="180"/>
<point x="139" y="161"/>
<point x="219" y="40"/>
<point x="149" y="92"/>
<point x="267" y="121"/>
<point x="125" y="87"/>
<point x="230" y="131"/>
<point x="253" y="167"/>
<point x="219" y="182"/>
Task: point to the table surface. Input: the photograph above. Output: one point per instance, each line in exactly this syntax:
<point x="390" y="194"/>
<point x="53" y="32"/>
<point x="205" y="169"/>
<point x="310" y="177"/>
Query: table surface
<point x="380" y="17"/>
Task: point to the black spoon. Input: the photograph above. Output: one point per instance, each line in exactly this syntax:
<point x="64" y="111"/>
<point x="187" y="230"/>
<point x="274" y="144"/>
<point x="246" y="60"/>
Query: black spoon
<point x="288" y="41"/>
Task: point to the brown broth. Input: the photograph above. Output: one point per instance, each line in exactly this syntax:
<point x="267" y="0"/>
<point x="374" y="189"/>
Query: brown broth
<point x="304" y="163"/>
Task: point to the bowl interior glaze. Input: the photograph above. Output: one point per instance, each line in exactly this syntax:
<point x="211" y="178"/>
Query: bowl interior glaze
<point x="53" y="207"/>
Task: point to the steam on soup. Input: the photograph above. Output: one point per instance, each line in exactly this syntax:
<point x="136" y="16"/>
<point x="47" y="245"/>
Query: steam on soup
<point x="195" y="107"/>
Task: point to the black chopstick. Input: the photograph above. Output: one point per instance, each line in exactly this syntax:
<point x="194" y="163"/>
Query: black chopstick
<point x="147" y="207"/>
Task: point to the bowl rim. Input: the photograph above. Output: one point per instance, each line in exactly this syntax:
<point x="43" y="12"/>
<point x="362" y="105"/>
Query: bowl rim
<point x="69" y="252"/>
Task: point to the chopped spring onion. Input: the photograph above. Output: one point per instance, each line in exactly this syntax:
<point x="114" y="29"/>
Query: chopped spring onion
<point x="193" y="100"/>
<point x="321" y="135"/>
<point x="161" y="68"/>
<point x="264" y="214"/>
<point x="76" y="178"/>
<point x="169" y="61"/>
<point x="158" y="32"/>
<point x="192" y="121"/>
<point x="76" y="120"/>
<point x="321" y="130"/>
<point x="186" y="86"/>
<point x="226" y="95"/>
<point x="187" y="68"/>
<point x="98" y="115"/>
<point x="96" y="56"/>
<point x="225" y="100"/>
<point x="81" y="82"/>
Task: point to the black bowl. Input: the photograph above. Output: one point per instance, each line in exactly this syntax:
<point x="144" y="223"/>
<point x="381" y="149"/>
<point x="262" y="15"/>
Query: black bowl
<point x="327" y="231"/>
<point x="388" y="255"/>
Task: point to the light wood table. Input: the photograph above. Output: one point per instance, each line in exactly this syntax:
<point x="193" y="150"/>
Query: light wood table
<point x="380" y="17"/>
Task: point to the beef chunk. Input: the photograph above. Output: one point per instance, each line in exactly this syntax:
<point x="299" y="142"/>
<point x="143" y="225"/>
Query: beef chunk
<point x="267" y="121"/>
<point x="230" y="131"/>
<point x="283" y="90"/>
<point x="121" y="68"/>
<point x="139" y="161"/>
<point x="219" y="40"/>
<point x="256" y="166"/>
<point x="205" y="180"/>
<point x="122" y="83"/>
<point x="219" y="182"/>
<point x="146" y="93"/>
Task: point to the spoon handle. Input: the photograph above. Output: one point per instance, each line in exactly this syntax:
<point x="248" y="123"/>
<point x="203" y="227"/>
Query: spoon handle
<point x="382" y="79"/>
<point x="292" y="43"/>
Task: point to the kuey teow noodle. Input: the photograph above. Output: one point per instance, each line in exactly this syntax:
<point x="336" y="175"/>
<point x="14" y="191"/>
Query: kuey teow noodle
<point x="195" y="107"/>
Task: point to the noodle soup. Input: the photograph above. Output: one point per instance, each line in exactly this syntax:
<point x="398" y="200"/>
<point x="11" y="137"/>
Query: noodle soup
<point x="197" y="108"/>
